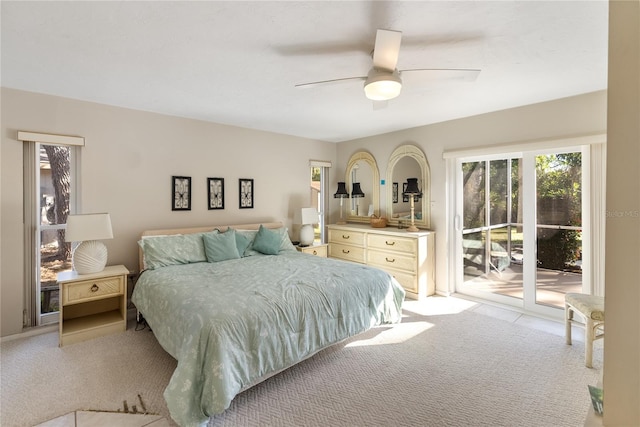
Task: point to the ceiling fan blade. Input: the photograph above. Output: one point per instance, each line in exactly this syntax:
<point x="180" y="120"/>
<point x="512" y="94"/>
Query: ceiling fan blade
<point x="463" y="74"/>
<point x="386" y="50"/>
<point x="332" y="81"/>
<point x="439" y="41"/>
<point x="355" y="47"/>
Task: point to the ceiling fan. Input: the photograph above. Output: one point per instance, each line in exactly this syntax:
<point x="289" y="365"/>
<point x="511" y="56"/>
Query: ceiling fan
<point x="384" y="80"/>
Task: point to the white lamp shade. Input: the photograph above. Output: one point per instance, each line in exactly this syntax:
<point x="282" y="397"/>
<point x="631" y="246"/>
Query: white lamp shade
<point x="88" y="227"/>
<point x="309" y="216"/>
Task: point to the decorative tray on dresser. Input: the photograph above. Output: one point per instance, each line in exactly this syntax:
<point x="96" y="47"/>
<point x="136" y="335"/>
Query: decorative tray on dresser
<point x="408" y="256"/>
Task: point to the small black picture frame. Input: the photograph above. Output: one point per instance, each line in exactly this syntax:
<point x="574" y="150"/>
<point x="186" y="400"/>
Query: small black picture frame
<point x="245" y="193"/>
<point x="215" y="193"/>
<point x="395" y="192"/>
<point x="181" y="193"/>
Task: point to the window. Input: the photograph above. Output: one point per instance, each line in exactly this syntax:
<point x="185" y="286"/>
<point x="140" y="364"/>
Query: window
<point x="319" y="171"/>
<point x="526" y="223"/>
<point x="50" y="195"/>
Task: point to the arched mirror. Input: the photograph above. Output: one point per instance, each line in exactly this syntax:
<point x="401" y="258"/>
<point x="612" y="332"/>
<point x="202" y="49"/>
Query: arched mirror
<point x="408" y="161"/>
<point x="363" y="179"/>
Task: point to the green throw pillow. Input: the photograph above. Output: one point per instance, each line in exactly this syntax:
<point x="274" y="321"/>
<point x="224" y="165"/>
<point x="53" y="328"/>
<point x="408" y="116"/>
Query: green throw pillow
<point x="267" y="241"/>
<point x="242" y="243"/>
<point x="221" y="247"/>
<point x="162" y="251"/>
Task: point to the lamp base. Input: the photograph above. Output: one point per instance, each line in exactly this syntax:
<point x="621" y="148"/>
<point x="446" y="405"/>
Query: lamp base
<point x="413" y="228"/>
<point x="89" y="257"/>
<point x="307" y="235"/>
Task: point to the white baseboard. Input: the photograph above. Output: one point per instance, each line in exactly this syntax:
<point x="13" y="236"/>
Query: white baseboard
<point x="31" y="332"/>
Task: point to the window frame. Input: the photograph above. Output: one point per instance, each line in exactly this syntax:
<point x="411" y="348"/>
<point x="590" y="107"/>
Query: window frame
<point x="32" y="315"/>
<point x="593" y="148"/>
<point x="323" y="195"/>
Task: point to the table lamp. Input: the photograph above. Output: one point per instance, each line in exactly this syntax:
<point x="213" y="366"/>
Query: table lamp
<point x="90" y="256"/>
<point x="412" y="190"/>
<point x="308" y="217"/>
<point x="341" y="194"/>
<point x="356" y="192"/>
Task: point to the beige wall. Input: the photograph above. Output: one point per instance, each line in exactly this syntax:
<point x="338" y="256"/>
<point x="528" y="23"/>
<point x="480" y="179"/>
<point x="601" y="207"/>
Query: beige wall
<point x="126" y="169"/>
<point x="130" y="155"/>
<point x="579" y="115"/>
<point x="622" y="304"/>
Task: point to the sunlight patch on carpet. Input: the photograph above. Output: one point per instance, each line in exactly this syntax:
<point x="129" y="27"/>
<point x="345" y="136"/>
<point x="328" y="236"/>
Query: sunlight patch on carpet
<point x="435" y="306"/>
<point x="396" y="335"/>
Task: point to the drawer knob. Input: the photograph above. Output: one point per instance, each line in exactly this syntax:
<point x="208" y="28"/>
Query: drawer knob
<point x="345" y="251"/>
<point x="315" y="252"/>
<point x="390" y="243"/>
<point x="95" y="288"/>
<point x="390" y="260"/>
<point x="345" y="237"/>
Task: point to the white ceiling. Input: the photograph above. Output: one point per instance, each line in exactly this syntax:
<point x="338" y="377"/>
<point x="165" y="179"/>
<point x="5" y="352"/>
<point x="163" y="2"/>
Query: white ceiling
<point x="237" y="62"/>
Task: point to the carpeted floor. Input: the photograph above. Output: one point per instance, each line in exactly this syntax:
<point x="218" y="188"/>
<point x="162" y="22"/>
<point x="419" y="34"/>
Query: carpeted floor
<point x="447" y="364"/>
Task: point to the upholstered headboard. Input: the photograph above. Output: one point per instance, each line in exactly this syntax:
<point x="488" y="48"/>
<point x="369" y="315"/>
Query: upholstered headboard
<point x="191" y="230"/>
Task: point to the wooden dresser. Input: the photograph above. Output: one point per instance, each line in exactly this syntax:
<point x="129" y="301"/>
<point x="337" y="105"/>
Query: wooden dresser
<point x="409" y="257"/>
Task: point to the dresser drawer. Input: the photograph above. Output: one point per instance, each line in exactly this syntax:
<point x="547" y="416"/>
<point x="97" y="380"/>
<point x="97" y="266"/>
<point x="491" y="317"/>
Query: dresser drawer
<point x="408" y="281"/>
<point x="346" y="252"/>
<point x="92" y="289"/>
<point x="348" y="237"/>
<point x="391" y="243"/>
<point x="393" y="260"/>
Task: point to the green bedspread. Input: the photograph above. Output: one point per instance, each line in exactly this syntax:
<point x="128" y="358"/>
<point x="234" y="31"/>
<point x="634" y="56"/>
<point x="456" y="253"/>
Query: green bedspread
<point x="230" y="324"/>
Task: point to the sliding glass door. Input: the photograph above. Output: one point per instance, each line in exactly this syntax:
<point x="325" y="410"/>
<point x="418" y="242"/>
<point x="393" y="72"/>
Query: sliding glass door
<point x="521" y="228"/>
<point x="558" y="226"/>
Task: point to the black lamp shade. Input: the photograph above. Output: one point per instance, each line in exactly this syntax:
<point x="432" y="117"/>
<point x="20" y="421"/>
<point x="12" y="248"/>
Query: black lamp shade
<point x="356" y="191"/>
<point x="342" y="191"/>
<point x="412" y="188"/>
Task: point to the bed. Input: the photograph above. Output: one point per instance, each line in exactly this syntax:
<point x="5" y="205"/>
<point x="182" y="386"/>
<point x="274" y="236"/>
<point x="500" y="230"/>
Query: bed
<point x="233" y="319"/>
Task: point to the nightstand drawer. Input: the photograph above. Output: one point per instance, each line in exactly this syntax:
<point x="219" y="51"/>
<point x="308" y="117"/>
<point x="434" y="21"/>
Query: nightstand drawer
<point x="317" y="250"/>
<point x="348" y="237"/>
<point x="91" y="289"/>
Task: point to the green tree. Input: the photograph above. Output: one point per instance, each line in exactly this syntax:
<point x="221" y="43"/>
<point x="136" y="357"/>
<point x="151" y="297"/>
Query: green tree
<point x="559" y="200"/>
<point x="59" y="159"/>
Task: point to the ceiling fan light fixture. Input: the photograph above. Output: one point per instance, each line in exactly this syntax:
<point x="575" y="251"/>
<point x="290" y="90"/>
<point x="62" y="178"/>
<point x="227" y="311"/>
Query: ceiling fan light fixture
<point x="382" y="85"/>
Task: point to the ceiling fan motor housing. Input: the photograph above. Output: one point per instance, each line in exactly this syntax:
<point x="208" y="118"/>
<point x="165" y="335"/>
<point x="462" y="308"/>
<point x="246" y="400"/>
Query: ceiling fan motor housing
<point x="382" y="85"/>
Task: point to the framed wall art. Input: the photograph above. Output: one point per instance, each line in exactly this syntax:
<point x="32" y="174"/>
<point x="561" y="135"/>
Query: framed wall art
<point x="395" y="192"/>
<point x="246" y="193"/>
<point x="181" y="192"/>
<point x="215" y="191"/>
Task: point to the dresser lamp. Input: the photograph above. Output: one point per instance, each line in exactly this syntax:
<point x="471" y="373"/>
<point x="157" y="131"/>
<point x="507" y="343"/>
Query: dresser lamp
<point x="341" y="194"/>
<point x="90" y="256"/>
<point x="412" y="190"/>
<point x="308" y="217"/>
<point x="356" y="192"/>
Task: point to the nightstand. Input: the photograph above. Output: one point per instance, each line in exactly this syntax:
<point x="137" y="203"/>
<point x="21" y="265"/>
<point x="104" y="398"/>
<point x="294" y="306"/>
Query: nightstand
<point x="317" y="249"/>
<point x="92" y="305"/>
